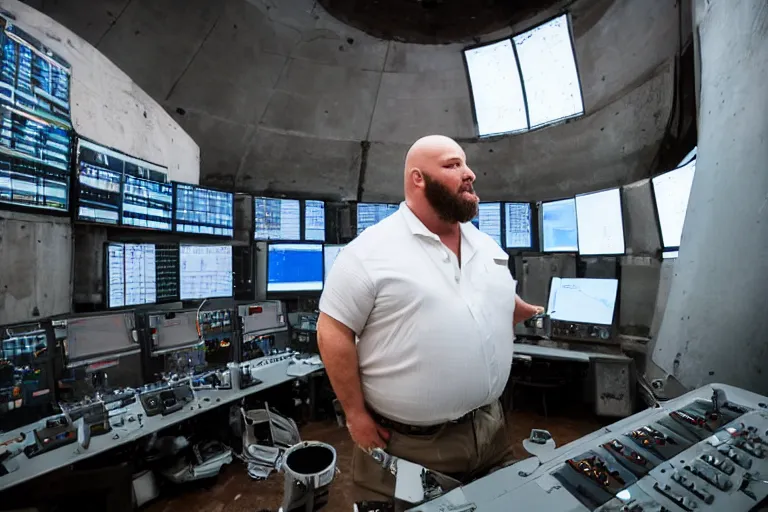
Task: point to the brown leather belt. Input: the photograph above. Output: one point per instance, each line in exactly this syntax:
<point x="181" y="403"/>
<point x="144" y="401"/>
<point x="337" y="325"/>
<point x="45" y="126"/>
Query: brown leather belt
<point x="413" y="430"/>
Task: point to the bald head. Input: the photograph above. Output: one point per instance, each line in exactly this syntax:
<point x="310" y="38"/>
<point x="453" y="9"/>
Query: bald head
<point x="436" y="178"/>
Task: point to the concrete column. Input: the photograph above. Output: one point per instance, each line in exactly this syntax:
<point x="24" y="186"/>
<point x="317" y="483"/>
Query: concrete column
<point x="715" y="327"/>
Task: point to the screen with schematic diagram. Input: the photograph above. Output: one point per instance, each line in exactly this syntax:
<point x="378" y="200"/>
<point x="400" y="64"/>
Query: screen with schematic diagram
<point x="518" y="225"/>
<point x="314" y="221"/>
<point x="141" y="274"/>
<point x="370" y="214"/>
<point x="488" y="220"/>
<point x="205" y="271"/>
<point x="583" y="300"/>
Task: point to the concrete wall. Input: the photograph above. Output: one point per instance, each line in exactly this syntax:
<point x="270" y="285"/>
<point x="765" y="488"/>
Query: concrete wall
<point x="107" y="106"/>
<point x="283" y="98"/>
<point x="35" y="267"/>
<point x="714" y="328"/>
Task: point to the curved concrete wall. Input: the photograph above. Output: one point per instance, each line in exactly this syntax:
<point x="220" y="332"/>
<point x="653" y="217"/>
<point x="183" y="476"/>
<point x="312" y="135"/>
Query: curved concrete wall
<point x="714" y="327"/>
<point x="107" y="106"/>
<point x="283" y="98"/>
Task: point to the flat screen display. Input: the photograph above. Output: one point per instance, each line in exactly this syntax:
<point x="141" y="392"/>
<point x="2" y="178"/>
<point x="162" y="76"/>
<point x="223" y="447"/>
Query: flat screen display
<point x="277" y="219"/>
<point x="518" y="227"/>
<point x="34" y="161"/>
<point x="141" y="274"/>
<point x="558" y="226"/>
<point x="672" y="191"/>
<point x="600" y="223"/>
<point x="314" y="221"/>
<point x="590" y="301"/>
<point x="369" y="214"/>
<point x="294" y="267"/>
<point x="488" y="220"/>
<point x="118" y="189"/>
<point x="330" y="253"/>
<point x="205" y="271"/>
<point x="115" y="275"/>
<point x="204" y="211"/>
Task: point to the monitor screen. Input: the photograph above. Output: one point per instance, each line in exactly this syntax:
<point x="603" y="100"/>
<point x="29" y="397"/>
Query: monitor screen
<point x="518" y="225"/>
<point x="295" y="267"/>
<point x="558" y="226"/>
<point x="488" y="220"/>
<point x="147" y="204"/>
<point x="672" y="190"/>
<point x="205" y="271"/>
<point x="115" y="275"/>
<point x="34" y="162"/>
<point x="96" y="336"/>
<point x="314" y="221"/>
<point x="330" y="253"/>
<point x="140" y="287"/>
<point x="369" y="214"/>
<point x="277" y="219"/>
<point x="600" y="223"/>
<point x="167" y="272"/>
<point x="590" y="301"/>
<point x="203" y="211"/>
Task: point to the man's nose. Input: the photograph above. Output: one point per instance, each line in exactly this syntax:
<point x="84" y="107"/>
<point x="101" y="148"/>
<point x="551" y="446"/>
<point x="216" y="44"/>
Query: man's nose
<point x="468" y="174"/>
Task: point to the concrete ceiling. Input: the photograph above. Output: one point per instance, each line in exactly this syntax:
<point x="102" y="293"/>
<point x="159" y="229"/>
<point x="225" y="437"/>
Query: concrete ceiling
<point x="284" y="98"/>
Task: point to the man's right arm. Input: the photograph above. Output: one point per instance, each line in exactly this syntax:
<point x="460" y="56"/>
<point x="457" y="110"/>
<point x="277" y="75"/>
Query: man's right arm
<point x="345" y="305"/>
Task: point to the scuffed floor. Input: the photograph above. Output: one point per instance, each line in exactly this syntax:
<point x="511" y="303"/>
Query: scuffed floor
<point x="234" y="491"/>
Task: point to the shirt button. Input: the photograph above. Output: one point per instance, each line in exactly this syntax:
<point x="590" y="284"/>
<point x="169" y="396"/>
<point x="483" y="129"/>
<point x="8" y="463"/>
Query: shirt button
<point x="445" y="256"/>
<point x="457" y="278"/>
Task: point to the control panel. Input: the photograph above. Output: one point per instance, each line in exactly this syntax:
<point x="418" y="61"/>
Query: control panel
<point x="577" y="331"/>
<point x="706" y="450"/>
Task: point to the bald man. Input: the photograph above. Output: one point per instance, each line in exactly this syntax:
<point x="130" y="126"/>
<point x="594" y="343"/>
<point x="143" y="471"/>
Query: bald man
<point x="416" y="329"/>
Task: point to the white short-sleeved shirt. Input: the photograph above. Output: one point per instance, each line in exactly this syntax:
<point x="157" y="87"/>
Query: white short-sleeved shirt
<point x="435" y="339"/>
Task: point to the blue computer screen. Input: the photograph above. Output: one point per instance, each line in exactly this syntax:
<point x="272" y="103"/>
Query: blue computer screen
<point x="314" y="221"/>
<point x="558" y="226"/>
<point x="369" y="214"/>
<point x="488" y="220"/>
<point x="277" y="219"/>
<point x="295" y="267"/>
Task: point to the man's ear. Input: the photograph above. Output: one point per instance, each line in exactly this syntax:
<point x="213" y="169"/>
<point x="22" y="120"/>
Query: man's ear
<point x="417" y="176"/>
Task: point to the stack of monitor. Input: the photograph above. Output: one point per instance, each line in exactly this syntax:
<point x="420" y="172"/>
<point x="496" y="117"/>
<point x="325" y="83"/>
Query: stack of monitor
<point x="139" y="274"/>
<point x="288" y="220"/>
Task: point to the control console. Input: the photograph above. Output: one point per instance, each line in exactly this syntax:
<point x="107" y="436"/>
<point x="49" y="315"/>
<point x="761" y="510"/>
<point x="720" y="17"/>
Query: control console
<point x="706" y="450"/>
<point x="576" y="331"/>
<point x="165" y="399"/>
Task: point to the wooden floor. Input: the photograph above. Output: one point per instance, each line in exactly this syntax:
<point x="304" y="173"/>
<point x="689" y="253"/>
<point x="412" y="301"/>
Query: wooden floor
<point x="235" y="491"/>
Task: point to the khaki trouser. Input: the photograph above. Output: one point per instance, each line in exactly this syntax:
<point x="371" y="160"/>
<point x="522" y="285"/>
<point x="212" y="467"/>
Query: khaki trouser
<point x="463" y="451"/>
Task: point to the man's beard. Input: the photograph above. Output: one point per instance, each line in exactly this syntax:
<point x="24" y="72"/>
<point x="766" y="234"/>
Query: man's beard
<point x="450" y="206"/>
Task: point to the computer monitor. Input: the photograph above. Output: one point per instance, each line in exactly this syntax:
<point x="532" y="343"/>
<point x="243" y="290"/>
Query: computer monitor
<point x="600" y="223"/>
<point x="314" y="221"/>
<point x="583" y="300"/>
<point x="140" y="274"/>
<point x="558" y="226"/>
<point x="330" y="253"/>
<point x="34" y="162"/>
<point x="95" y="337"/>
<point x="205" y="271"/>
<point x="518" y="225"/>
<point x="488" y="220"/>
<point x="294" y="268"/>
<point x="203" y="211"/>
<point x="99" y="184"/>
<point x="277" y="219"/>
<point x="147" y="204"/>
<point x="671" y="191"/>
<point x="369" y="214"/>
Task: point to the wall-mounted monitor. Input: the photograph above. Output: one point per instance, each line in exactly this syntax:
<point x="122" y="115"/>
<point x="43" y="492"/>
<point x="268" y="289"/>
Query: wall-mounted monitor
<point x="369" y="214"/>
<point x="330" y="253"/>
<point x="205" y="271"/>
<point x="671" y="191"/>
<point x="583" y="300"/>
<point x="140" y="274"/>
<point x="34" y="161"/>
<point x="518" y="226"/>
<point x="33" y="78"/>
<point x="314" y="221"/>
<point x="600" y="223"/>
<point x="558" y="226"/>
<point x="488" y="220"/>
<point x="203" y="211"/>
<point x="294" y="268"/>
<point x="277" y="219"/>
<point x="117" y="189"/>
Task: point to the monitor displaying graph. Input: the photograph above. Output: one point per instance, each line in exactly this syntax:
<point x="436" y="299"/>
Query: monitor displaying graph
<point x="584" y="300"/>
<point x="205" y="271"/>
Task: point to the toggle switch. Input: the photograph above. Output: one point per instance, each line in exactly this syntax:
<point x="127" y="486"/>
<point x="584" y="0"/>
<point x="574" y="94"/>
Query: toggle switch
<point x="710" y="476"/>
<point x="741" y="460"/>
<point x="718" y="462"/>
<point x="682" y="501"/>
<point x="689" y="484"/>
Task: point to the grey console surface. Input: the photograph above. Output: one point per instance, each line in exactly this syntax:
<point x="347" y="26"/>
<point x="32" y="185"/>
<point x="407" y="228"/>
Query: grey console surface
<point x="699" y="452"/>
